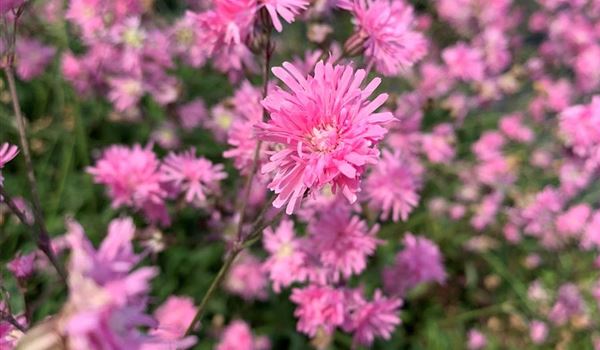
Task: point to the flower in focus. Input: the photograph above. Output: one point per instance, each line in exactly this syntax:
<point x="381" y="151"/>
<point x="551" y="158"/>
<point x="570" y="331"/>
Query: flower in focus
<point x="195" y="176"/>
<point x="327" y="130"/>
<point x="419" y="262"/>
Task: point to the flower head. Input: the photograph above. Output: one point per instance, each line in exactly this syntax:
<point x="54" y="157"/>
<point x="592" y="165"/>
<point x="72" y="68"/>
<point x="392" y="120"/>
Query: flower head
<point x="419" y="262"/>
<point x="286" y="260"/>
<point x="318" y="307"/>
<point x="369" y="319"/>
<point x="327" y="130"/>
<point x="387" y="27"/>
<point x="287" y="9"/>
<point x="195" y="176"/>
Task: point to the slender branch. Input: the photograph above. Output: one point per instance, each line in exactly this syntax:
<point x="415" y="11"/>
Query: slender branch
<point x="8" y="317"/>
<point x="212" y="289"/>
<point x="43" y="245"/>
<point x="250" y="239"/>
<point x="268" y="51"/>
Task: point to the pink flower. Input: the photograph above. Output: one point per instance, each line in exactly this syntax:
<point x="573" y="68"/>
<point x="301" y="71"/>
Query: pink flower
<point x="287" y="9"/>
<point x="240" y="136"/>
<point x="477" y="340"/>
<point x="342" y="242"/>
<point x="538" y="331"/>
<point x="370" y="319"/>
<point x="174" y="316"/>
<point x="247" y="278"/>
<point x="132" y="178"/>
<point x="196" y="176"/>
<point x="573" y="221"/>
<point x="318" y="308"/>
<point x="7" y="153"/>
<point x="7" y="5"/>
<point x="591" y="234"/>
<point x="464" y="62"/>
<point x="581" y="126"/>
<point x="438" y="145"/>
<point x="238" y="336"/>
<point x="125" y="92"/>
<point x="394" y="185"/>
<point x="387" y="28"/>
<point x="32" y="57"/>
<point x="286" y="260"/>
<point x="327" y="129"/>
<point x="489" y="145"/>
<point x="192" y="114"/>
<point x="569" y="303"/>
<point x="22" y="266"/>
<point x="419" y="262"/>
<point x="512" y="126"/>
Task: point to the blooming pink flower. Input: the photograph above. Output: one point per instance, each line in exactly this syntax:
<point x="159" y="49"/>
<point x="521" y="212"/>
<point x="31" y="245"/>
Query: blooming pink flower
<point x="464" y="62"/>
<point x="512" y="126"/>
<point x="538" y="331"/>
<point x="7" y="153"/>
<point x="287" y="9"/>
<point x="573" y="221"/>
<point x="8" y="5"/>
<point x="238" y="336"/>
<point x="196" y="176"/>
<point x="477" y="340"/>
<point x="106" y="299"/>
<point x="419" y="262"/>
<point x="318" y="308"/>
<point x="286" y="260"/>
<point x="342" y="242"/>
<point x="22" y="266"/>
<point x="394" y="185"/>
<point x="174" y="316"/>
<point x="370" y="319"/>
<point x="489" y="145"/>
<point x="247" y="278"/>
<point x="192" y="114"/>
<point x="32" y="57"/>
<point x="132" y="178"/>
<point x="438" y="145"/>
<point x="581" y="126"/>
<point x="569" y="303"/>
<point x="328" y="130"/>
<point x="591" y="234"/>
<point x="391" y="42"/>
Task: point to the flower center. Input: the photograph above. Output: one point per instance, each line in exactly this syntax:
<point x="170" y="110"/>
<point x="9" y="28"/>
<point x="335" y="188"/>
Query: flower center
<point x="324" y="139"/>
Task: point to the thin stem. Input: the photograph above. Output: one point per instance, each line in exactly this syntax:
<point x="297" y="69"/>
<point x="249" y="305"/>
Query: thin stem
<point x="248" y="184"/>
<point x="213" y="288"/>
<point x="11" y="319"/>
<point x="250" y="239"/>
<point x="44" y="246"/>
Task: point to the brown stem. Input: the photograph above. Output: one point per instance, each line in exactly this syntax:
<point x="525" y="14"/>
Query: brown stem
<point x="11" y="319"/>
<point x="42" y="244"/>
<point x="248" y="184"/>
